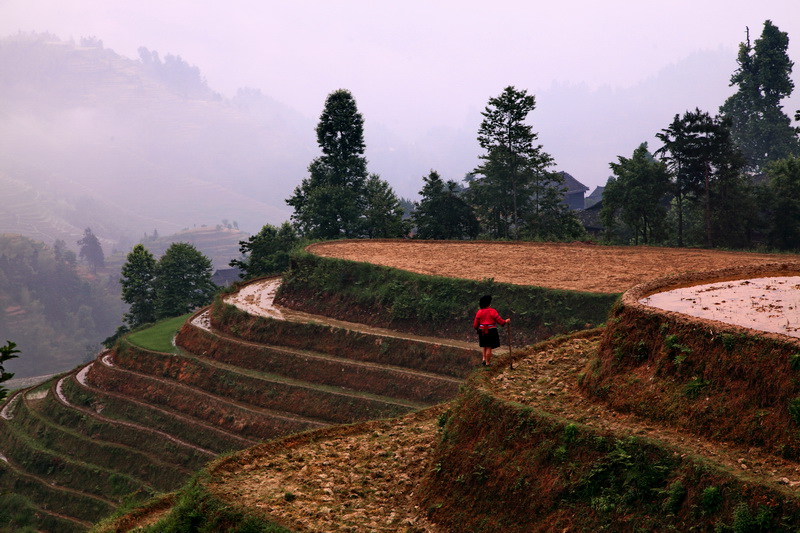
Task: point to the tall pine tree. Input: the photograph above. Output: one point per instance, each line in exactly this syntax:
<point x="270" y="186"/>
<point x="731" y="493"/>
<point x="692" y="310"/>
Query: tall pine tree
<point x="512" y="182"/>
<point x="760" y="128"/>
<point x="329" y="203"/>
<point x="138" y="290"/>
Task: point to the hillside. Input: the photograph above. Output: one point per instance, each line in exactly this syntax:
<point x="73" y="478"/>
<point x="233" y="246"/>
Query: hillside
<point x="523" y="449"/>
<point x="218" y="243"/>
<point x="56" y="311"/>
<point x="89" y="138"/>
<point x="247" y="370"/>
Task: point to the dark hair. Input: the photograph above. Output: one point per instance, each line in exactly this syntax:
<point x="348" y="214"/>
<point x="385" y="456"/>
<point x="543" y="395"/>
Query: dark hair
<point x="486" y="301"/>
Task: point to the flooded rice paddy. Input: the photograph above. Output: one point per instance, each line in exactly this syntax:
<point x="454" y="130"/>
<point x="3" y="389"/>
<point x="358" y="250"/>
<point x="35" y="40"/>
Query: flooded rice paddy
<point x="767" y="304"/>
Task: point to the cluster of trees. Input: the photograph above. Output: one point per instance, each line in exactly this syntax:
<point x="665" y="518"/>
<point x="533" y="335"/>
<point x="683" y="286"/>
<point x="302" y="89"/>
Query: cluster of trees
<point x="511" y="195"/>
<point x="716" y="181"/>
<point x="53" y="308"/>
<point x="174" y="72"/>
<point x="175" y="284"/>
<point x="7" y="352"/>
<point x="729" y="180"/>
<point x="90" y="249"/>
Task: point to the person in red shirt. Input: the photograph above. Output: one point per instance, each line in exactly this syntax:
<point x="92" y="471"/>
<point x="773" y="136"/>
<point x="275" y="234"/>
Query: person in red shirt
<point x="485" y="323"/>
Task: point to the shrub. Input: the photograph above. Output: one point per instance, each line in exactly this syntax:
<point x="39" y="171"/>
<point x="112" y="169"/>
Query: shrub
<point x="676" y="494"/>
<point x="710" y="500"/>
<point x="794" y="410"/>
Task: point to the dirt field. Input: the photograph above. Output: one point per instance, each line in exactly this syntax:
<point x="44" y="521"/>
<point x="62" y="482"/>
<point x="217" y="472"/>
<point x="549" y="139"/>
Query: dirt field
<point x="574" y="266"/>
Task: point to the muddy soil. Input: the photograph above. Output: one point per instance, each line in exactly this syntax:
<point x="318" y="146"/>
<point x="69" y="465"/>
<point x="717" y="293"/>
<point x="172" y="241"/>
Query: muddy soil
<point x="572" y="266"/>
<point x="767" y="304"/>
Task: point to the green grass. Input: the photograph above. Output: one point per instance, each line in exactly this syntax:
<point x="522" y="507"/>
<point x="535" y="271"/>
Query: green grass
<point x="158" y="338"/>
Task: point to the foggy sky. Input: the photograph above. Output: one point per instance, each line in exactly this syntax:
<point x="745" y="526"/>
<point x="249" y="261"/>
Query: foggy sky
<point x="415" y="66"/>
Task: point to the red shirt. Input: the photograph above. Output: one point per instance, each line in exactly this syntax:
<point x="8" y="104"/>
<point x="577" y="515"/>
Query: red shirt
<point x="487" y="317"/>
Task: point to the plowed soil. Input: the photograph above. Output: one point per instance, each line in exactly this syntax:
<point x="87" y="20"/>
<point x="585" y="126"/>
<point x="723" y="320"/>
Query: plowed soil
<point x="571" y="266"/>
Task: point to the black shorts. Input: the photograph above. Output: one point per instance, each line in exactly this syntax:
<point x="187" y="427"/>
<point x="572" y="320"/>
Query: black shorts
<point x="490" y="339"/>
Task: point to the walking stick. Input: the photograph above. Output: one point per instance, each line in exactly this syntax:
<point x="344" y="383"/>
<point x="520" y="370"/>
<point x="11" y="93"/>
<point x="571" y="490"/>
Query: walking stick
<point x="510" y="355"/>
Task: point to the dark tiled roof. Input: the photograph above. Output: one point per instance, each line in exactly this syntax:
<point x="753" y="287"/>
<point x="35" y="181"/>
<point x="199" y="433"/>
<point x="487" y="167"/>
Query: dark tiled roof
<point x="572" y="184"/>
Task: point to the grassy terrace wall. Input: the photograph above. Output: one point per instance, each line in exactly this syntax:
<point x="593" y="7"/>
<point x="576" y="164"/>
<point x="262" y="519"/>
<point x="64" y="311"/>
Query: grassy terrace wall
<point x="503" y="466"/>
<point x="113" y="432"/>
<point x="717" y="380"/>
<point x="395" y="351"/>
<point x="112" y="470"/>
<point x="313" y="368"/>
<point x="430" y="305"/>
<point x="56" y="499"/>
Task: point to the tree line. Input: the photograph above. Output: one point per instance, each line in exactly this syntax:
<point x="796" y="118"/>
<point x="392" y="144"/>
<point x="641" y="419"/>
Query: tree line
<point x="726" y="180"/>
<point x="513" y="194"/>
<point x="55" y="309"/>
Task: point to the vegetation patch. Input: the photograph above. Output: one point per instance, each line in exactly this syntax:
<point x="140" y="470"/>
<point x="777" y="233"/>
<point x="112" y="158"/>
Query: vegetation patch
<point x="158" y="337"/>
<point x="196" y="510"/>
<point x="432" y="305"/>
<point x="502" y="466"/>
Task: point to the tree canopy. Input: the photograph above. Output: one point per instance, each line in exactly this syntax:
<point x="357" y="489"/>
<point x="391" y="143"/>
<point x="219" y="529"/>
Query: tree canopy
<point x="7" y="352"/>
<point x="635" y="195"/>
<point x="183" y="281"/>
<point x="383" y="214"/>
<point x="267" y="252"/>
<point x="138" y="291"/>
<point x="511" y="183"/>
<point x="442" y="213"/>
<point x="90" y="249"/>
<point x="760" y="128"/>
<point x="702" y="157"/>
<point x="330" y="202"/>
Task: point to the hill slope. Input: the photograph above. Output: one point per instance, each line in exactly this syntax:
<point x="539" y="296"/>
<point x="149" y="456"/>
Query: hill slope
<point x="91" y="138"/>
<point x="521" y="449"/>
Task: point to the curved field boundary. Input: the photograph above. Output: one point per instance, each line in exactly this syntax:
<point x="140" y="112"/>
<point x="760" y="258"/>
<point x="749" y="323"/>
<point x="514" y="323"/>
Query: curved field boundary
<point x="7" y="412"/>
<point x="60" y="497"/>
<point x="560" y="463"/>
<point x="41" y="450"/>
<point x="120" y="405"/>
<point x="313" y="367"/>
<point x="143" y="439"/>
<point x="284" y="398"/>
<point x="433" y="306"/>
<point x="250" y="421"/>
<point x="718" y="380"/>
<point x="401" y="351"/>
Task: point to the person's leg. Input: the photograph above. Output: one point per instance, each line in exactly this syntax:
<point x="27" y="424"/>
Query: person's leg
<point x="488" y="356"/>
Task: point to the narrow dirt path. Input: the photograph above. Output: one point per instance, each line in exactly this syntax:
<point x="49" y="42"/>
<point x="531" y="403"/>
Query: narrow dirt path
<point x="258" y="298"/>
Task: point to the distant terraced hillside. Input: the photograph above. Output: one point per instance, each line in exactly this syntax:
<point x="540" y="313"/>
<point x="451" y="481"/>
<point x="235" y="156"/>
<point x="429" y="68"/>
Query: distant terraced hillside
<point x="93" y="139"/>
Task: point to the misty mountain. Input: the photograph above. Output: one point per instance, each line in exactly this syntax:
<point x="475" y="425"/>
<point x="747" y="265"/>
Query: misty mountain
<point x="89" y="138"/>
